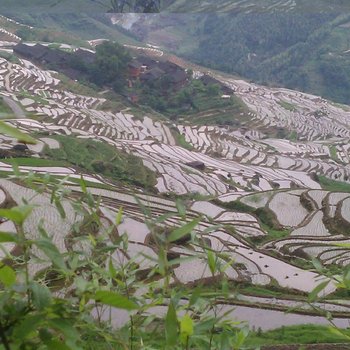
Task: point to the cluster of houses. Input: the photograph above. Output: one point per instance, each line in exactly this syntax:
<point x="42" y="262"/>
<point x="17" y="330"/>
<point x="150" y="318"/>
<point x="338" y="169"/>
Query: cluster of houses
<point x="148" y="70"/>
<point x="145" y="69"/>
<point x="55" y="58"/>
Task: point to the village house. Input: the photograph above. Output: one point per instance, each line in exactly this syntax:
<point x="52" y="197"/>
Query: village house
<point x="134" y="69"/>
<point x="208" y="80"/>
<point x="32" y="52"/>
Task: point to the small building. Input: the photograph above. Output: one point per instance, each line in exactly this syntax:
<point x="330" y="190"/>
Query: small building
<point x="55" y="58"/>
<point x="196" y="165"/>
<point x="134" y="69"/>
<point x="169" y="67"/>
<point x="153" y="75"/>
<point x="86" y="56"/>
<point x="178" y="79"/>
<point x="32" y="52"/>
<point x="147" y="63"/>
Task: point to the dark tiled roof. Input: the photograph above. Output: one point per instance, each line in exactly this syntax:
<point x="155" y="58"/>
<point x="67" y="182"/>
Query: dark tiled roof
<point x="135" y="64"/>
<point x="168" y="67"/>
<point x="147" y="61"/>
<point x="55" y="57"/>
<point x="85" y="56"/>
<point x="35" y="52"/>
<point x="153" y="74"/>
<point x="207" y="80"/>
<point x="178" y="76"/>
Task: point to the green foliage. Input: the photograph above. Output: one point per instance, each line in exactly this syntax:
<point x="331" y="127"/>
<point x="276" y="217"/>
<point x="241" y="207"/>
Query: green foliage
<point x="286" y="105"/>
<point x="34" y="316"/>
<point x="302" y="50"/>
<point x="101" y="158"/>
<point x="332" y="185"/>
<point x="110" y="67"/>
<point x="333" y="152"/>
<point x="193" y="100"/>
<point x="15" y="133"/>
<point x="303" y="334"/>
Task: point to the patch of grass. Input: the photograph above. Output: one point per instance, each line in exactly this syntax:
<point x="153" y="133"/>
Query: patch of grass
<point x="286" y="105"/>
<point x="181" y="140"/>
<point x="266" y="218"/>
<point x="236" y="206"/>
<point x="101" y="158"/>
<point x="300" y="334"/>
<point x="293" y="136"/>
<point x="333" y="185"/>
<point x="333" y="153"/>
<point x="36" y="162"/>
<point x="273" y="234"/>
<point x="77" y="87"/>
<point x="36" y="98"/>
<point x="9" y="57"/>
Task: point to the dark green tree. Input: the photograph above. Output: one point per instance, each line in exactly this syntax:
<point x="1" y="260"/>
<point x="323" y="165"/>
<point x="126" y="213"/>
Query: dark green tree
<point x="110" y="67"/>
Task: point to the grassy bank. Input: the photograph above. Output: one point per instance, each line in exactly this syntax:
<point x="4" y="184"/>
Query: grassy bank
<point x="300" y="334"/>
<point x="104" y="159"/>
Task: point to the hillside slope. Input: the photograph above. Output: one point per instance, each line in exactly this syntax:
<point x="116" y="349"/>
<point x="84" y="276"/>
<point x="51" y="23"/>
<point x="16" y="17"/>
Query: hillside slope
<point x="269" y="203"/>
<point x="307" y="51"/>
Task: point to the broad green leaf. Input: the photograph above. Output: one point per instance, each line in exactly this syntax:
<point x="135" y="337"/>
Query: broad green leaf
<point x="186" y="328"/>
<point x="339" y="332"/>
<point x="316" y="291"/>
<point x="15" y="169"/>
<point x="195" y="295"/>
<point x="15" y="133"/>
<point x="318" y="266"/>
<point x="181" y="208"/>
<point x="56" y="345"/>
<point x="205" y="326"/>
<point x="171" y="326"/>
<point x="68" y="329"/>
<point x="182" y="231"/>
<point x="116" y="300"/>
<point x="7" y="275"/>
<point x="28" y="325"/>
<point x="59" y="207"/>
<point x="8" y="237"/>
<point x="162" y="261"/>
<point x="17" y="214"/>
<point x="342" y="245"/>
<point x="119" y="216"/>
<point x="51" y="252"/>
<point x="41" y="296"/>
<point x="211" y="261"/>
<point x="83" y="184"/>
<point x="240" y="338"/>
<point x="111" y="269"/>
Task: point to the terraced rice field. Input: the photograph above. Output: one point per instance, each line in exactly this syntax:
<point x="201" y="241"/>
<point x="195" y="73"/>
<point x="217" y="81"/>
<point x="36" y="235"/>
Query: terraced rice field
<point x="271" y="175"/>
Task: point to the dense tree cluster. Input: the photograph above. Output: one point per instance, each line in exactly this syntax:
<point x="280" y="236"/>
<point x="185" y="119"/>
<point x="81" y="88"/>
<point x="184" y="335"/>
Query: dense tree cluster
<point x="109" y="67"/>
<point x="299" y="51"/>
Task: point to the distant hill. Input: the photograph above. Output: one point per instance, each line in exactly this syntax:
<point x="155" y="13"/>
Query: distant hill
<point x="308" y="51"/>
<point x="251" y="5"/>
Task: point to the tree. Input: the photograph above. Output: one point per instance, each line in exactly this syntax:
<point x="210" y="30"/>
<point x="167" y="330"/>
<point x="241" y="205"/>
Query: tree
<point x="213" y="90"/>
<point x="110" y="67"/>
